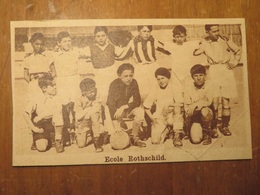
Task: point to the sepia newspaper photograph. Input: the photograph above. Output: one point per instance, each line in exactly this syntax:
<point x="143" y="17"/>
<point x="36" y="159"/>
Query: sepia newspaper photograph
<point x="122" y="91"/>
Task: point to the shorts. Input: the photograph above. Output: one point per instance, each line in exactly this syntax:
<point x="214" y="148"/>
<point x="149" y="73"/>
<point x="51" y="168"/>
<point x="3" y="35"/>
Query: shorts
<point x="67" y="88"/>
<point x="223" y="80"/>
<point x="48" y="128"/>
<point x="196" y="117"/>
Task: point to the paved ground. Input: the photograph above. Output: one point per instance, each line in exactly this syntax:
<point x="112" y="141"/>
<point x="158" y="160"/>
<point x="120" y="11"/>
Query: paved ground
<point x="239" y="129"/>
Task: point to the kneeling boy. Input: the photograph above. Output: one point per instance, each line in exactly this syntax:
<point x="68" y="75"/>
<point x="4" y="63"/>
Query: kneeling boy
<point x="198" y="101"/>
<point x="88" y="114"/>
<point x="168" y="103"/>
<point x="43" y="116"/>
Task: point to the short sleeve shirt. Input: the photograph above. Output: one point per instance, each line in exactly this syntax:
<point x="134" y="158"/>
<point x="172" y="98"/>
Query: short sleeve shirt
<point x="37" y="63"/>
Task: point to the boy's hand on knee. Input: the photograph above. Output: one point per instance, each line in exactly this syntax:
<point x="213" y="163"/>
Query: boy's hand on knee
<point x="120" y="111"/>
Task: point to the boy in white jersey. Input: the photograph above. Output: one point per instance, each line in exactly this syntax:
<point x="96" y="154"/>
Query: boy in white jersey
<point x="198" y="105"/>
<point x="168" y="103"/>
<point x="36" y="63"/>
<point x="182" y="55"/>
<point x="65" y="70"/>
<point x="44" y="118"/>
<point x="223" y="56"/>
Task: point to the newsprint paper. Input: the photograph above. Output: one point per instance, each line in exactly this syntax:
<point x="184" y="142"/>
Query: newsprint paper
<point x="129" y="91"/>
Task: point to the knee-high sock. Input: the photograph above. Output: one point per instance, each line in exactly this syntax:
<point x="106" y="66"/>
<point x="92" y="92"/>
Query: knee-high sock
<point x="226" y="113"/>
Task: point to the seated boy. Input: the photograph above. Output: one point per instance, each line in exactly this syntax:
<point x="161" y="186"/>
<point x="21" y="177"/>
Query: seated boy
<point x="168" y="104"/>
<point x="43" y="116"/>
<point x="198" y="102"/>
<point x="88" y="114"/>
<point x="124" y="101"/>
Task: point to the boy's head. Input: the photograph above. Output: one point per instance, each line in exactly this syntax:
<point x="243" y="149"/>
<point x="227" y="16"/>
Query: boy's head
<point x="47" y="84"/>
<point x="198" y="73"/>
<point x="64" y="41"/>
<point x="37" y="40"/>
<point x="145" y="31"/>
<point x="100" y="33"/>
<point x="179" y="34"/>
<point x="163" y="76"/>
<point x="88" y="88"/>
<point x="213" y="31"/>
<point x="126" y="73"/>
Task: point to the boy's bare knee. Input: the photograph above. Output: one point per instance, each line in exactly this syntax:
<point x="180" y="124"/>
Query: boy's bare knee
<point x="41" y="145"/>
<point x="81" y="140"/>
<point x="139" y="114"/>
<point x="206" y="113"/>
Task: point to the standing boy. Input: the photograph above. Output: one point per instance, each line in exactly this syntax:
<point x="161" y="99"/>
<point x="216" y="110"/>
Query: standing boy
<point x="44" y="118"/>
<point x="65" y="69"/>
<point x="124" y="101"/>
<point x="182" y="55"/>
<point x="144" y="47"/>
<point x="168" y="103"/>
<point x="36" y="63"/>
<point x="103" y="53"/>
<point x="223" y="56"/>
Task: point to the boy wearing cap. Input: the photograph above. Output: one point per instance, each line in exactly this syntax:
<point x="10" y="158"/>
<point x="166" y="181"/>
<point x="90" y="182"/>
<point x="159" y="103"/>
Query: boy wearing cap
<point x="168" y="103"/>
<point x="44" y="118"/>
<point x="124" y="101"/>
<point x="198" y="102"/>
<point x="88" y="114"/>
<point x="223" y="56"/>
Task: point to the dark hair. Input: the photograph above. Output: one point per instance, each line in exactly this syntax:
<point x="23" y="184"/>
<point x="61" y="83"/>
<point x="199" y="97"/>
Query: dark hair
<point x="37" y="36"/>
<point x="208" y="26"/>
<point x="100" y="29"/>
<point x="62" y="35"/>
<point x="123" y="67"/>
<point x="150" y="27"/>
<point x="163" y="72"/>
<point x="87" y="84"/>
<point x="179" y="29"/>
<point x="197" y="69"/>
<point x="45" y="80"/>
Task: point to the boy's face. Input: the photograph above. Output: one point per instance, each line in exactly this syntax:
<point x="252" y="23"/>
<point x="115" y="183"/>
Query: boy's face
<point x="213" y="33"/>
<point x="162" y="81"/>
<point x="90" y="94"/>
<point x="127" y="77"/>
<point x="145" y="33"/>
<point x="199" y="79"/>
<point x="50" y="89"/>
<point x="101" y="38"/>
<point x="65" y="44"/>
<point x="37" y="46"/>
<point x="180" y="38"/>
